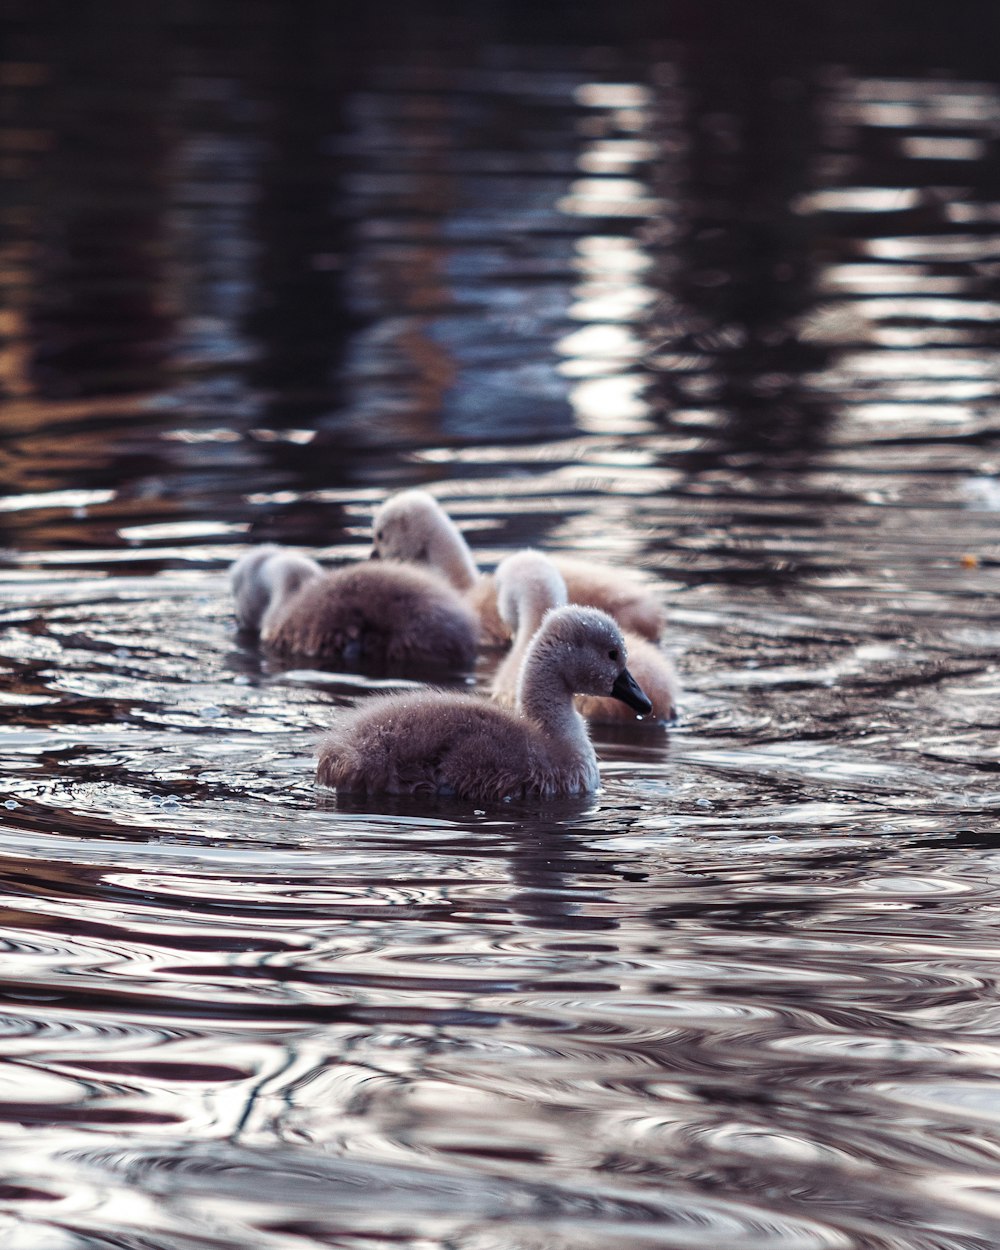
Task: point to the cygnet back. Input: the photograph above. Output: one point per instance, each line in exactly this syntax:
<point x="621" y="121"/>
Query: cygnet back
<point x="381" y="614"/>
<point x="616" y="591"/>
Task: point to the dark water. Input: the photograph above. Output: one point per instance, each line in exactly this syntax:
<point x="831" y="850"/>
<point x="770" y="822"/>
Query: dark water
<point x="713" y="293"/>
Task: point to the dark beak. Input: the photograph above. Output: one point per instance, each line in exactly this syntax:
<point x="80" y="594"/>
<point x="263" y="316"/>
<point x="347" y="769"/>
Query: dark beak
<point x="627" y="689"/>
<point x="373" y="554"/>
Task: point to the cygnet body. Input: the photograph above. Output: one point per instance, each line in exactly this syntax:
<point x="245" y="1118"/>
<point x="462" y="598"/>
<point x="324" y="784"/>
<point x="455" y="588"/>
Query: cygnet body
<point x="412" y="526"/>
<point x="453" y="744"/>
<point x="528" y="586"/>
<point x="385" y="614"/>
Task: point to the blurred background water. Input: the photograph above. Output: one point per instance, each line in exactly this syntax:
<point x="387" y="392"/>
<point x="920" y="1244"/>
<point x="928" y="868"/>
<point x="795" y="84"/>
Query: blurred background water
<point x="709" y="289"/>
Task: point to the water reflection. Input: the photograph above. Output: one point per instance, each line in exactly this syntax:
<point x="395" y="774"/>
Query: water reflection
<point x="92" y="219"/>
<point x="419" y="254"/>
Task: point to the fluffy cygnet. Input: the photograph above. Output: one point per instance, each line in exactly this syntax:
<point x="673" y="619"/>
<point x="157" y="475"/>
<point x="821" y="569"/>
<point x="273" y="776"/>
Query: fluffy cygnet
<point x="456" y="744"/>
<point x="528" y="586"/>
<point x="263" y="579"/>
<point x="412" y="526"/>
<point x="384" y="614"/>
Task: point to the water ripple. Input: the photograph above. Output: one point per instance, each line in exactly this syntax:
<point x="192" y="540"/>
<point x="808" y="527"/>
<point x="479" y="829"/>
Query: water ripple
<point x="705" y="303"/>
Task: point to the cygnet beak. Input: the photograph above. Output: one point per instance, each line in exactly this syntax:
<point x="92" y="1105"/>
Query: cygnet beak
<point x="373" y="554"/>
<point x="628" y="690"/>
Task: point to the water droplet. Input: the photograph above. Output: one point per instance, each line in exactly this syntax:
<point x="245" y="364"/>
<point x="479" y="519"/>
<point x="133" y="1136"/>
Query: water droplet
<point x="209" y="712"/>
<point x="703" y="802"/>
<point x="10" y="804"/>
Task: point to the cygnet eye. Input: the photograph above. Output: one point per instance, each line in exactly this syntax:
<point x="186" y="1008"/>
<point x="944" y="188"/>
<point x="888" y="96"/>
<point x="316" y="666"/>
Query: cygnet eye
<point x="613" y="653"/>
<point x="379" y="535"/>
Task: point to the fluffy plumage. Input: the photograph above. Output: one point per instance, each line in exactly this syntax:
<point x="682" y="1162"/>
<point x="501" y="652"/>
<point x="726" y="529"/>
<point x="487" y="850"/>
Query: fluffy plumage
<point x="528" y="585"/>
<point x="263" y="579"/>
<point x="456" y="744"/>
<point x="383" y="614"/>
<point x="413" y="527"/>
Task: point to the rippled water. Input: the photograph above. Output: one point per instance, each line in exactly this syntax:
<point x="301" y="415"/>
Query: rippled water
<point x="711" y="296"/>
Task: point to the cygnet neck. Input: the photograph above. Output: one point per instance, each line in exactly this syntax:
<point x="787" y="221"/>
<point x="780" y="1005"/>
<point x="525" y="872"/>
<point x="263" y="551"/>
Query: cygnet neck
<point x="280" y="580"/>
<point x="281" y="576"/>
<point x="525" y="609"/>
<point x="545" y="695"/>
<point x="449" y="553"/>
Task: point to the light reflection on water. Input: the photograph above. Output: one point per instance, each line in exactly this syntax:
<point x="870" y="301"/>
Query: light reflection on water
<point x="693" y="308"/>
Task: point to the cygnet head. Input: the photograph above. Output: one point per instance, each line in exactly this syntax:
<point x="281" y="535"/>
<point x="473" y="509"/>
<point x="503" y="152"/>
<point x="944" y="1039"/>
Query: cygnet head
<point x="528" y="584"/>
<point x="584" y="649"/>
<point x="413" y="527"/>
<point x="265" y="578"/>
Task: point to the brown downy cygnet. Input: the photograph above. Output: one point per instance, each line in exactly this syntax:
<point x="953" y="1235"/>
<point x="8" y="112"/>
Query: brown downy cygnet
<point x="458" y="744"/>
<point x="412" y="526"/>
<point x="383" y="614"/>
<point x="529" y="585"/>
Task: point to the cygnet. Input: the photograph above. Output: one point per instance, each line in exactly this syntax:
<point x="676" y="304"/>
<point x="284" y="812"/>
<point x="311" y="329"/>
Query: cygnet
<point x="436" y="743"/>
<point x="386" y="614"/>
<point x="263" y="579"/>
<point x="529" y="585"/>
<point x="412" y="526"/>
